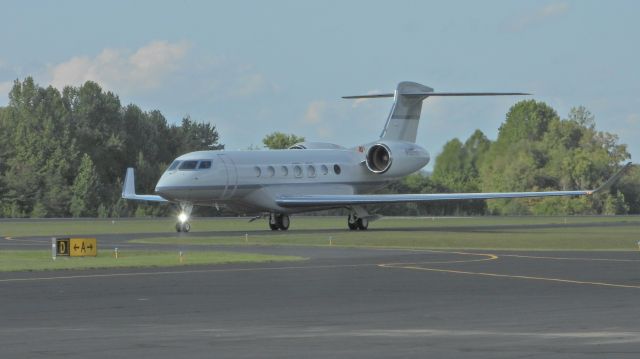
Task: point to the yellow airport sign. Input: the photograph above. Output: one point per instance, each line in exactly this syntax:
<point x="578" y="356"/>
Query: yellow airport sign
<point x="82" y="247"/>
<point x="76" y="247"/>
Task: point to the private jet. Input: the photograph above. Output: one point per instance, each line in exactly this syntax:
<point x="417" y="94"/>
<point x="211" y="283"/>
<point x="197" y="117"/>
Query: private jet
<point x="312" y="176"/>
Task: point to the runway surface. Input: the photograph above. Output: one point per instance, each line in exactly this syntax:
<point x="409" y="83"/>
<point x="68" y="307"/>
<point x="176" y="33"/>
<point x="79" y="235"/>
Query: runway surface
<point x="342" y="302"/>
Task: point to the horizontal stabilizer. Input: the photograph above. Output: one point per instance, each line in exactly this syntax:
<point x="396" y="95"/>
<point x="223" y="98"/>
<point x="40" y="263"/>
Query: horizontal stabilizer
<point x="402" y="122"/>
<point x="429" y="94"/>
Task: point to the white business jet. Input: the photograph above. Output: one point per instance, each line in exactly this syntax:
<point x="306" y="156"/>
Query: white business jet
<point x="313" y="176"/>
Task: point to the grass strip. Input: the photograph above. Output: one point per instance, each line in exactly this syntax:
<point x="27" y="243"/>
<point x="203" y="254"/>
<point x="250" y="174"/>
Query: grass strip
<point x="69" y="227"/>
<point x="33" y="260"/>
<point x="575" y="238"/>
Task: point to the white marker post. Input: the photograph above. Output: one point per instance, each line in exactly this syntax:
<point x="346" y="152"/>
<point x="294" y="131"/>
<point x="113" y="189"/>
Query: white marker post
<point x="53" y="248"/>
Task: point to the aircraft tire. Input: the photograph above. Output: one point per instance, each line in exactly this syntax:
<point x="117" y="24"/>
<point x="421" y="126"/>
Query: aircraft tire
<point x="274" y="222"/>
<point x="186" y="227"/>
<point x="178" y="227"/>
<point x="362" y="224"/>
<point x="352" y="222"/>
<point x="283" y="222"/>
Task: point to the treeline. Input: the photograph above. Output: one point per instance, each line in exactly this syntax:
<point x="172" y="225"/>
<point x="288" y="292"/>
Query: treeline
<point x="65" y="154"/>
<point x="535" y="150"/>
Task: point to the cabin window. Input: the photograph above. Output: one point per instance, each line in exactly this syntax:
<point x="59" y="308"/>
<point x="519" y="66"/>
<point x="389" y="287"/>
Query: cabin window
<point x="324" y="169"/>
<point x="257" y="171"/>
<point x="285" y="170"/>
<point x="336" y="169"/>
<point x="297" y="171"/>
<point x="173" y="166"/>
<point x="271" y="171"/>
<point x="311" y="171"/>
<point x="204" y="165"/>
<point x="188" y="165"/>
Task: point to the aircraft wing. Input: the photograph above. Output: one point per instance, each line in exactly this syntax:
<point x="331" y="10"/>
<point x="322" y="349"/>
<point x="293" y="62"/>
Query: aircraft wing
<point x="129" y="190"/>
<point x="320" y="200"/>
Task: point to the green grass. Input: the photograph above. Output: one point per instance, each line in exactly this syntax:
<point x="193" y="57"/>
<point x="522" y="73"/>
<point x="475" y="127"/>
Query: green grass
<point x="32" y="260"/>
<point x="66" y="227"/>
<point x="427" y="232"/>
<point x="446" y="236"/>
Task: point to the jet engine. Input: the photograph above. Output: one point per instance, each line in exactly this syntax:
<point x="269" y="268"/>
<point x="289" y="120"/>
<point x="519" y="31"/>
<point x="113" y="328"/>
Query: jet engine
<point x="395" y="158"/>
<point x="379" y="158"/>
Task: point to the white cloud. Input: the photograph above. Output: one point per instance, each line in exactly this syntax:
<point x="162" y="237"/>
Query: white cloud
<point x="248" y="85"/>
<point x="542" y="14"/>
<point x="314" y="112"/>
<point x="120" y="70"/>
<point x="633" y="120"/>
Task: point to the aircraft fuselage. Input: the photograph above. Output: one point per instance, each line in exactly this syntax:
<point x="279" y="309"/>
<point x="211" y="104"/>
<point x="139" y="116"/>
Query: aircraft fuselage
<point x="250" y="181"/>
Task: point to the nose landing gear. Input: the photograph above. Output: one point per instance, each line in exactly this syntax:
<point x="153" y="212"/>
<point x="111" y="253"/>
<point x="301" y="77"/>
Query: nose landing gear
<point x="183" y="224"/>
<point x="183" y="227"/>
<point x="278" y="221"/>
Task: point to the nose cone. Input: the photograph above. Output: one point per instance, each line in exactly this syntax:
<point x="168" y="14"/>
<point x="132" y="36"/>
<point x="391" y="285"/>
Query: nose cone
<point x="166" y="185"/>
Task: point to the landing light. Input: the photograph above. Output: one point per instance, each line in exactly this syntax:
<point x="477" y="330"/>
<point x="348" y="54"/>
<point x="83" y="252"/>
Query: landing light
<point x="182" y="217"/>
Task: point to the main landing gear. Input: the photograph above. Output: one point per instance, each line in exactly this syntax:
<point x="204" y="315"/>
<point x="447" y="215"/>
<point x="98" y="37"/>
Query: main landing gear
<point x="278" y="221"/>
<point x="355" y="223"/>
<point x="183" y="224"/>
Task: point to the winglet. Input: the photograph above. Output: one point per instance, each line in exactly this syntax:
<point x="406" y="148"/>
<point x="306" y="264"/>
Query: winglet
<point x="129" y="190"/>
<point x="615" y="178"/>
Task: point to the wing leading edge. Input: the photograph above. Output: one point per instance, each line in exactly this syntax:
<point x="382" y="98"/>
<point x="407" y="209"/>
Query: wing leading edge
<point x="363" y="199"/>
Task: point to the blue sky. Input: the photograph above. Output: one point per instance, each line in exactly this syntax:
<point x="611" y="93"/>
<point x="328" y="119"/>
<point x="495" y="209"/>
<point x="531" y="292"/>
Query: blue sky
<point x="253" y="67"/>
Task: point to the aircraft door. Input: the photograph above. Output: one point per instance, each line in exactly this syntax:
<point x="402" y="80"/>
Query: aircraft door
<point x="232" y="176"/>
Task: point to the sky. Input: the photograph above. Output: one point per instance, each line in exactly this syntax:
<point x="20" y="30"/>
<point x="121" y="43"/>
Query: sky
<point x="254" y="67"/>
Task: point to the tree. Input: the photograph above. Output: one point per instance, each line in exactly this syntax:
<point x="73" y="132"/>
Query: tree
<point x="84" y="201"/>
<point x="449" y="169"/>
<point x="197" y="136"/>
<point x="279" y="140"/>
<point x="537" y="151"/>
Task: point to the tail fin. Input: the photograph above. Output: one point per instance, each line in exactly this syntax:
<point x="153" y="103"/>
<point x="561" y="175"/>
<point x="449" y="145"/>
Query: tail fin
<point x="402" y="123"/>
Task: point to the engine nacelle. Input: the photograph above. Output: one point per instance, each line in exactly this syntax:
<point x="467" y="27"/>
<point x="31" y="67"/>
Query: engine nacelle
<point x="378" y="158"/>
<point x="395" y="159"/>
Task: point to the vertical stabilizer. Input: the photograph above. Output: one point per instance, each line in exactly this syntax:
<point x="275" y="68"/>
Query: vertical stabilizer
<point x="402" y="123"/>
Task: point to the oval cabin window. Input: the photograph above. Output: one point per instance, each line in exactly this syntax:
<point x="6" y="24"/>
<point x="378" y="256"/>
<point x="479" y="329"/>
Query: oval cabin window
<point x="271" y="171"/>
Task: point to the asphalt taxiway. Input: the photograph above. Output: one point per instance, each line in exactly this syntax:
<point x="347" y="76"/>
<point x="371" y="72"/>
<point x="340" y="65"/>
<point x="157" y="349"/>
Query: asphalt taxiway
<point x="342" y="302"/>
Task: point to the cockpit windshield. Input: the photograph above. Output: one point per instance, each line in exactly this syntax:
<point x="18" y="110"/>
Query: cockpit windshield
<point x="173" y="166"/>
<point x="190" y="165"/>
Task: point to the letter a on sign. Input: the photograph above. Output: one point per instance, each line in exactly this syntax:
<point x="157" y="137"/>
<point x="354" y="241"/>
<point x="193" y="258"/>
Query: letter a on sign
<point x="80" y="247"/>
